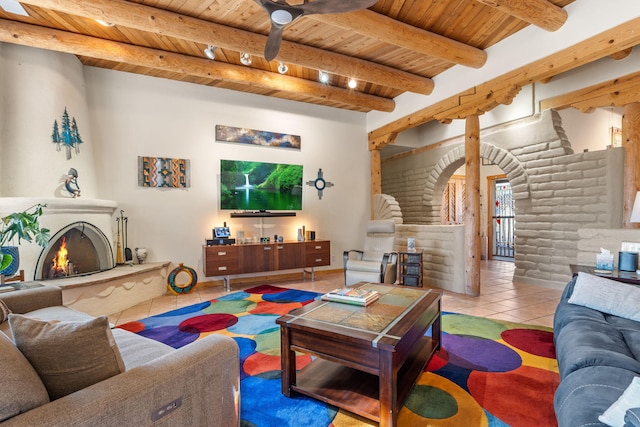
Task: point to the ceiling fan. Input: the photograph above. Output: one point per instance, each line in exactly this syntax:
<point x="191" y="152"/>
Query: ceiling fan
<point x="282" y="13"/>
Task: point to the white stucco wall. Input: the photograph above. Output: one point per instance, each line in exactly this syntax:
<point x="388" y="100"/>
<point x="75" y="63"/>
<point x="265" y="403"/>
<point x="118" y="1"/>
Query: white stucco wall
<point x="135" y="116"/>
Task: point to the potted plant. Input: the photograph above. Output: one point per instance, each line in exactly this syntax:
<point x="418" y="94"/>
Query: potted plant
<point x="24" y="225"/>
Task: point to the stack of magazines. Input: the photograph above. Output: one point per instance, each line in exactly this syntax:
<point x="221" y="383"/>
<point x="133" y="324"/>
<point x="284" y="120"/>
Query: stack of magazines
<point x="355" y="296"/>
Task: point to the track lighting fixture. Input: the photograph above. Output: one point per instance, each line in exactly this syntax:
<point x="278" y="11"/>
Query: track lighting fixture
<point x="282" y="68"/>
<point x="245" y="58"/>
<point x="210" y="52"/>
<point x="323" y="76"/>
<point x="352" y="83"/>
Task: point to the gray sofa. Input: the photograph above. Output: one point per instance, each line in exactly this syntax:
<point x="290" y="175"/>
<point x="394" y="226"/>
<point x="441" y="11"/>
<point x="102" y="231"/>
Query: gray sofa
<point x="598" y="356"/>
<point x="195" y="385"/>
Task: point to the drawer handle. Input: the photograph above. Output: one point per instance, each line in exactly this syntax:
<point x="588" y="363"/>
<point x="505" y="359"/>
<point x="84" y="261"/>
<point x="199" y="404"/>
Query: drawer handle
<point x="318" y="259"/>
<point x="267" y="248"/>
<point x="222" y="253"/>
<point x="223" y="268"/>
<point x="318" y="247"/>
<point x="280" y="247"/>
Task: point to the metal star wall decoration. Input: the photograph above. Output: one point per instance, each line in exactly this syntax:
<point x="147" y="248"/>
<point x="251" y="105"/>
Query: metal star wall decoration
<point x="320" y="184"/>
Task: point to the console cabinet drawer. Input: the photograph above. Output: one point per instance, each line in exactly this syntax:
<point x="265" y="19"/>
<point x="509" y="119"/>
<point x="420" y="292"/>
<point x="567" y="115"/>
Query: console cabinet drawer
<point x="221" y="260"/>
<point x="317" y="253"/>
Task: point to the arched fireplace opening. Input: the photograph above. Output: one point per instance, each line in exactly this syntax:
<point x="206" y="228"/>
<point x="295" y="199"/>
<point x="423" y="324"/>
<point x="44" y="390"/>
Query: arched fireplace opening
<point x="78" y="249"/>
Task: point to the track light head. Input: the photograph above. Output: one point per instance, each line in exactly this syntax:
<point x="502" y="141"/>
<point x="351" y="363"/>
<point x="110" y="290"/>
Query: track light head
<point x="282" y="68"/>
<point x="245" y="58"/>
<point x="323" y="76"/>
<point x="210" y="52"/>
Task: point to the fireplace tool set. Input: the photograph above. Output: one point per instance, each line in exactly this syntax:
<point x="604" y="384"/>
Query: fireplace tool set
<point x="123" y="233"/>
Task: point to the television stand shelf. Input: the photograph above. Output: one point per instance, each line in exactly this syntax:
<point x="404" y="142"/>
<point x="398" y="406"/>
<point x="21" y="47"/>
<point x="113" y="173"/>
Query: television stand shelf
<point x="261" y="214"/>
<point x="225" y="261"/>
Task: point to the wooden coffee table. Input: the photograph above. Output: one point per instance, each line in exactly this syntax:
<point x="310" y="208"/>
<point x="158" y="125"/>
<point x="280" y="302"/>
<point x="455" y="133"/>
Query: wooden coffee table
<point x="367" y="358"/>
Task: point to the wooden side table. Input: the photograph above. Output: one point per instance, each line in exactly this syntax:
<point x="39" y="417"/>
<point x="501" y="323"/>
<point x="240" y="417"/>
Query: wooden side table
<point x="410" y="264"/>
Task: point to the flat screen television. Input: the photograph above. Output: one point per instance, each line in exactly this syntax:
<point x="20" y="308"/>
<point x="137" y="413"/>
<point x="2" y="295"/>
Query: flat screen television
<point x="260" y="186"/>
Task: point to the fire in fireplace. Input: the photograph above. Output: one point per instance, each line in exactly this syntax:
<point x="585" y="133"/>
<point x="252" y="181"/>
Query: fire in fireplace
<point x="77" y="249"/>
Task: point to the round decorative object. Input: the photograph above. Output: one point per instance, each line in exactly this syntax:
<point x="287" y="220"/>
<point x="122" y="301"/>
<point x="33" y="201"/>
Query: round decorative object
<point x="13" y="266"/>
<point x="182" y="288"/>
<point x="320" y="184"/>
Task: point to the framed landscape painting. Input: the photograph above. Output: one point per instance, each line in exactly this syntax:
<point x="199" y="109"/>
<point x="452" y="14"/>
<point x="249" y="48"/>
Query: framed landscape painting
<point x="257" y="137"/>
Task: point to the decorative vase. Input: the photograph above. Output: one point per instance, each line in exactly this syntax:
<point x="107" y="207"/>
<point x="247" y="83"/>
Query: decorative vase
<point x="300" y="235"/>
<point x="141" y="254"/>
<point x="12" y="269"/>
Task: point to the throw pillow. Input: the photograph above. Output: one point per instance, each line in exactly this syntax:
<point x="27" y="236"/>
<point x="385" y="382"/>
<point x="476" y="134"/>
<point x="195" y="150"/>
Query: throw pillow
<point x="4" y="312"/>
<point x="68" y="356"/>
<point x="614" y="416"/>
<point x="607" y="296"/>
<point x="20" y="387"/>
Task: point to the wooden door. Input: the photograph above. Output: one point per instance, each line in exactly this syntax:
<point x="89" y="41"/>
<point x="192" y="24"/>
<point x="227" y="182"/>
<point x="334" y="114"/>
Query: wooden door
<point x="453" y="199"/>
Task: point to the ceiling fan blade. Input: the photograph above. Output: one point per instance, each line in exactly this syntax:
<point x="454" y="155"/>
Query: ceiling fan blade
<point x="335" y="6"/>
<point x="274" y="40"/>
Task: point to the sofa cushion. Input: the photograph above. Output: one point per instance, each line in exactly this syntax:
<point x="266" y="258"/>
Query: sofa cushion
<point x="607" y="296"/>
<point x="137" y="350"/>
<point x="56" y="312"/>
<point x="614" y="415"/>
<point x="20" y="387"/>
<point x="585" y="394"/>
<point x="584" y="343"/>
<point x="68" y="356"/>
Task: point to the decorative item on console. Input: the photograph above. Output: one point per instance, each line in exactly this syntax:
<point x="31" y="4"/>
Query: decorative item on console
<point x="221" y="236"/>
<point x="604" y="261"/>
<point x="141" y="254"/>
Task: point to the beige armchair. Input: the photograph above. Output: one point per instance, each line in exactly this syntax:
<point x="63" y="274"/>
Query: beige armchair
<point x="376" y="262"/>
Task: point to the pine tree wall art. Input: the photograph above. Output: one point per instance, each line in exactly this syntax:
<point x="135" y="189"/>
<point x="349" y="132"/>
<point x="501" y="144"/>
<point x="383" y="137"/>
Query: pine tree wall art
<point x="67" y="135"/>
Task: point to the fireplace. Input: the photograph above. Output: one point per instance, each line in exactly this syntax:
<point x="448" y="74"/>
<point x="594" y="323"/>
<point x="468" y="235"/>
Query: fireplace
<point x="78" y="249"/>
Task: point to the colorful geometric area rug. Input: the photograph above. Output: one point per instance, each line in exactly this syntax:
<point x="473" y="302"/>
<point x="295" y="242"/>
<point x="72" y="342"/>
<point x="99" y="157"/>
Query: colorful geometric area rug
<point x="488" y="373"/>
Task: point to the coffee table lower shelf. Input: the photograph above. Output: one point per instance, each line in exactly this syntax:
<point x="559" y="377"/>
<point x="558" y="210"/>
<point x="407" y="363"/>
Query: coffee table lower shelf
<point x="357" y="391"/>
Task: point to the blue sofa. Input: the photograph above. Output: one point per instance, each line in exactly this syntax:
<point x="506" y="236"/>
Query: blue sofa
<point x="598" y="356"/>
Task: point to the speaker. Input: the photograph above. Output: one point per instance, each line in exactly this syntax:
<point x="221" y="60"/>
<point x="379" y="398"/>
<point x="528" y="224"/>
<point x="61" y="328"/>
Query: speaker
<point x="627" y="261"/>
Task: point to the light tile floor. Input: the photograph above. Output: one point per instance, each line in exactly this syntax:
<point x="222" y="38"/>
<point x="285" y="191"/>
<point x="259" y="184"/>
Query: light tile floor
<point x="500" y="297"/>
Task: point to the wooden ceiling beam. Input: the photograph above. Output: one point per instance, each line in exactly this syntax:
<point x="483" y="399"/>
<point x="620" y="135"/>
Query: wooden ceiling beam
<point x="617" y="93"/>
<point x="540" y="13"/>
<point x="388" y="30"/>
<point x="162" y="22"/>
<point x="604" y="44"/>
<point x="61" y="41"/>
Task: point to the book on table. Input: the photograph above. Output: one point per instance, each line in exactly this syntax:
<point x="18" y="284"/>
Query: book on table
<point x="352" y="296"/>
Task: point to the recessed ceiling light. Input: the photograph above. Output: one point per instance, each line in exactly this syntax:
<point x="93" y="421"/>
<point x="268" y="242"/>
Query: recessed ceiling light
<point x="282" y="68"/>
<point x="210" y="52"/>
<point x="323" y="76"/>
<point x="352" y="83"/>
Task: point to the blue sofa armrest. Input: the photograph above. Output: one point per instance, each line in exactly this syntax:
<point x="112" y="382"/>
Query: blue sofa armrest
<point x="632" y="417"/>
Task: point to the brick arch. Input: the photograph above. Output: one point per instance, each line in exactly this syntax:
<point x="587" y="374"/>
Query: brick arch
<point x="444" y="168"/>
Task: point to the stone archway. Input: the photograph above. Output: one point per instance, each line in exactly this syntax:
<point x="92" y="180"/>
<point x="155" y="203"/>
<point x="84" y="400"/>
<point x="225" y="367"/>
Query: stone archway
<point x="443" y="169"/>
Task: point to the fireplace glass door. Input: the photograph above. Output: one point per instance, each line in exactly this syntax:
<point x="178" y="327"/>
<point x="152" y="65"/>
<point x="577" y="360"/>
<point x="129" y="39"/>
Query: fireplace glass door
<point x="77" y="249"/>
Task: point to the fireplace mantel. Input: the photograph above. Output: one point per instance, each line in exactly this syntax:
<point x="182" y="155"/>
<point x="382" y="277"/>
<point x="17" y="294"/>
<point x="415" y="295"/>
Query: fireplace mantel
<point x="58" y="205"/>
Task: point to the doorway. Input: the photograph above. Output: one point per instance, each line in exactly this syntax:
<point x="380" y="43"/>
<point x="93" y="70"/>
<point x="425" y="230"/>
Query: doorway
<point x="501" y="225"/>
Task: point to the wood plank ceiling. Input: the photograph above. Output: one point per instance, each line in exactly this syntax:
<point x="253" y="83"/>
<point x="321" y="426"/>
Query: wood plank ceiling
<point x="393" y="47"/>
